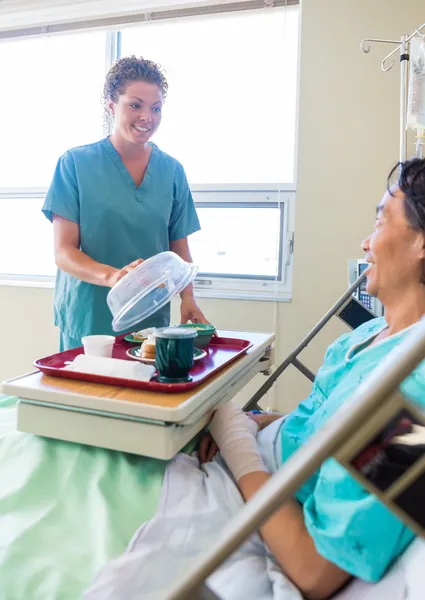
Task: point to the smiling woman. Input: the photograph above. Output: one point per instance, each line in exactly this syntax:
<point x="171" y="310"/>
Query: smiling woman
<point x="134" y="93"/>
<point x="395" y="249"/>
<point x="117" y="202"/>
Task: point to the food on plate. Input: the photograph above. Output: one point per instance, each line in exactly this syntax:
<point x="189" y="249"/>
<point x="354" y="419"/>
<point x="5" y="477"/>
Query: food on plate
<point x="139" y="336"/>
<point x="143" y="334"/>
<point x="149" y="347"/>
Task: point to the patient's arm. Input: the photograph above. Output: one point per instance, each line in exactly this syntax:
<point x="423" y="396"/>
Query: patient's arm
<point x="285" y="532"/>
<point x="289" y="541"/>
<point x="264" y="419"/>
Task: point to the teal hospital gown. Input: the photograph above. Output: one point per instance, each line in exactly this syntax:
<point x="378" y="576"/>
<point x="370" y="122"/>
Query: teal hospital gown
<point x="119" y="223"/>
<point x="349" y="526"/>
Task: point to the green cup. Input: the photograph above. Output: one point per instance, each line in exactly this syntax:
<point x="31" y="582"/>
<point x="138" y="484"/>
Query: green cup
<point x="174" y="354"/>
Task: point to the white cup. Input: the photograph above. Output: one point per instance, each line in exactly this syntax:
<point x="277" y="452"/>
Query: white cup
<point x="98" y="345"/>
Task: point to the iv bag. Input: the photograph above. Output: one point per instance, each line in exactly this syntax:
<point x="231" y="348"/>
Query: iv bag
<point x="416" y="102"/>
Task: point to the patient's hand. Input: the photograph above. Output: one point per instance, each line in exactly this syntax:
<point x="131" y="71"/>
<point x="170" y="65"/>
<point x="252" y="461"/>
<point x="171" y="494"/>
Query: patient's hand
<point x="207" y="448"/>
<point x="235" y="434"/>
<point x="264" y="419"/>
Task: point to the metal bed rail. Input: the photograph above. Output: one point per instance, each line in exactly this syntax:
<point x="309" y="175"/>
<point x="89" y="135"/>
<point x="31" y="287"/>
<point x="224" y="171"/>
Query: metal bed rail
<point x="347" y="308"/>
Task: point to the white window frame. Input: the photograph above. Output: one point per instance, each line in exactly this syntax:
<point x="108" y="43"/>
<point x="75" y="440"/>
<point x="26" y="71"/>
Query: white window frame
<point x="22" y="280"/>
<point x="255" y="288"/>
<point x="206" y="286"/>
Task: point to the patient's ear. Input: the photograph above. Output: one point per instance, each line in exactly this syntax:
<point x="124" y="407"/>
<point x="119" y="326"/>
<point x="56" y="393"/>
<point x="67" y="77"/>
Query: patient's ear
<point x="422" y="250"/>
<point x="420" y="245"/>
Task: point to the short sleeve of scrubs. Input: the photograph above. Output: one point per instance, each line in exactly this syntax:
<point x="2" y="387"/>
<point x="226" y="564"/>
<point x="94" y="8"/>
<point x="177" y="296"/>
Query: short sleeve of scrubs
<point x="350" y="527"/>
<point x="62" y="197"/>
<point x="183" y="220"/>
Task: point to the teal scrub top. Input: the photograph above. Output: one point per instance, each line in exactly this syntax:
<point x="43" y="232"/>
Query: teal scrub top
<point x="350" y="527"/>
<point x="119" y="222"/>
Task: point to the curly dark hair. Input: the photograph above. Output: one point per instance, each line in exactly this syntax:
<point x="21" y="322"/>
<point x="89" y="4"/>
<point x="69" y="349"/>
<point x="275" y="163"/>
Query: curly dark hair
<point x="411" y="181"/>
<point x="132" y="68"/>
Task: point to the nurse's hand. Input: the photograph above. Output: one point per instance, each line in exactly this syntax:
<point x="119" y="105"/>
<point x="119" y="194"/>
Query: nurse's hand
<point x="117" y="274"/>
<point x="190" y="311"/>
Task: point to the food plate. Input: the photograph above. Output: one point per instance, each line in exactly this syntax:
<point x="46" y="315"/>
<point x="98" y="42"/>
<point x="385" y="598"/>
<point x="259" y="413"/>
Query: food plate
<point x="134" y="340"/>
<point x="136" y="354"/>
<point x="143" y="335"/>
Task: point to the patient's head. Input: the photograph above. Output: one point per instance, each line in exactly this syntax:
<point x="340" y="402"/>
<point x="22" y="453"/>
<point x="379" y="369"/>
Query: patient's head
<point x="396" y="248"/>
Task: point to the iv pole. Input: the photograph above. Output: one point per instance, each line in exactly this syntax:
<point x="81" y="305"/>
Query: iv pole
<point x="403" y="45"/>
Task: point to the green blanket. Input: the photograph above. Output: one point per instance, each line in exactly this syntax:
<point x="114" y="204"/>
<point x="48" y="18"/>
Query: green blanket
<point x="65" y="509"/>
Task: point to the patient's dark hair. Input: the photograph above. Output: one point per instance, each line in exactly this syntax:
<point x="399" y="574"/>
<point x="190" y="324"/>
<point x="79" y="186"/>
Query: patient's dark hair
<point x="411" y="181"/>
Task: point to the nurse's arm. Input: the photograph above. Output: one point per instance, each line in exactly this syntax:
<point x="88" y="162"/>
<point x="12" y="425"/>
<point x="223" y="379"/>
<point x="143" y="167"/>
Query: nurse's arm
<point x="181" y="248"/>
<point x="72" y="260"/>
<point x="289" y="541"/>
<point x="189" y="309"/>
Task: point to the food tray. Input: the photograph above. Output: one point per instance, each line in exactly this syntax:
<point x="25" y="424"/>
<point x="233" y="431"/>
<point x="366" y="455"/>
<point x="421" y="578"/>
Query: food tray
<point x="221" y="351"/>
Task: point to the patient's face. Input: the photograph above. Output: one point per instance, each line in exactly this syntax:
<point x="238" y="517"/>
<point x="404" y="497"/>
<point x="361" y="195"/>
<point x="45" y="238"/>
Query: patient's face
<point x="394" y="250"/>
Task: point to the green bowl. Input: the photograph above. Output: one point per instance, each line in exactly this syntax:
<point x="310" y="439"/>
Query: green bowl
<point x="205" y="333"/>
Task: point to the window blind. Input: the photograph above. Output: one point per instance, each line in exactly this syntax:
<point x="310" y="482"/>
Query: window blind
<point x="23" y="18"/>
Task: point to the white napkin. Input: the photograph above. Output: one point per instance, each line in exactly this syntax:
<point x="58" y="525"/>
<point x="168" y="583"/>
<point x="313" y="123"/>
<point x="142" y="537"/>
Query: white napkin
<point x="111" y="367"/>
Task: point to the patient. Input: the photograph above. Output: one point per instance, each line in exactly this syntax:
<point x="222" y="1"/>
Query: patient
<point x="334" y="529"/>
<point x="331" y="531"/>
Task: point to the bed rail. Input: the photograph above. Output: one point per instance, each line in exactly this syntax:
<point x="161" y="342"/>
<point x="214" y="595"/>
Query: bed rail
<point x="352" y="312"/>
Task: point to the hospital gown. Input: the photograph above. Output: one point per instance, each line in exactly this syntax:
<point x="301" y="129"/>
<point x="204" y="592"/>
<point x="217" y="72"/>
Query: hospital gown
<point x="350" y="527"/>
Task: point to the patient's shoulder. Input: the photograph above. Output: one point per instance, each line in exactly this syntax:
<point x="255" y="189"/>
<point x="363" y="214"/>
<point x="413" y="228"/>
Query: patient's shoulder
<point x="344" y="342"/>
<point x="369" y="328"/>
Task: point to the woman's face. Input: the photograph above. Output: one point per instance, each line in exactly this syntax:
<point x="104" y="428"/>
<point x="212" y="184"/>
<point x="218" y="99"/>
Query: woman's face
<point x="138" y="111"/>
<point x="394" y="250"/>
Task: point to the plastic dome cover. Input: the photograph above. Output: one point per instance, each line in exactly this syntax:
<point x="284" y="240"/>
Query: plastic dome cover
<point x="147" y="288"/>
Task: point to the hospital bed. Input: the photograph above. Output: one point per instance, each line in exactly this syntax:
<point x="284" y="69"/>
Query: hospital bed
<point x="331" y="441"/>
<point x="348" y="435"/>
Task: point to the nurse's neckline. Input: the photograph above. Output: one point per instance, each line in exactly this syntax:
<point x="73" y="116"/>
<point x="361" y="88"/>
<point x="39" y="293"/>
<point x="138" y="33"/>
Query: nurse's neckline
<point x="149" y="144"/>
<point x="116" y="157"/>
<point x="107" y="142"/>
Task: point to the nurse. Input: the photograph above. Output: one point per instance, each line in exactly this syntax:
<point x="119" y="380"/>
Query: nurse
<point x="115" y="203"/>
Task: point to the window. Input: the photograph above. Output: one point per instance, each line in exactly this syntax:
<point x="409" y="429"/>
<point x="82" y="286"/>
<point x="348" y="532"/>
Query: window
<point x="219" y="245"/>
<point x="26" y="243"/>
<point x="53" y="102"/>
<point x="245" y="245"/>
<point x="230" y="119"/>
<point x="230" y="113"/>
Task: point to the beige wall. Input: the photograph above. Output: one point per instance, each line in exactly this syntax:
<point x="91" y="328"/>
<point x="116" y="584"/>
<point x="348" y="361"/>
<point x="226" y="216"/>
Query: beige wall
<point x="348" y="140"/>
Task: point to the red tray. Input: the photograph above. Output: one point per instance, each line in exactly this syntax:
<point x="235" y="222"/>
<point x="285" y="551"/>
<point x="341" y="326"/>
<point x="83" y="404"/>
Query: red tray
<point x="221" y="351"/>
